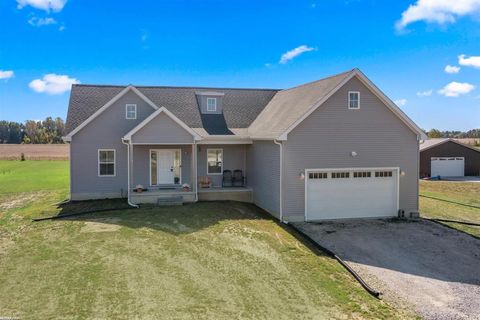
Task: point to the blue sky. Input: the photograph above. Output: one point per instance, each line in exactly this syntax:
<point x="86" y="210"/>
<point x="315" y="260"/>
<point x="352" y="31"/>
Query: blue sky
<point x="45" y="45"/>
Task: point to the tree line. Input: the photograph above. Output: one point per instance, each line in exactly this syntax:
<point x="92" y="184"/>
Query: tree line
<point x="41" y="132"/>
<point x="435" y="133"/>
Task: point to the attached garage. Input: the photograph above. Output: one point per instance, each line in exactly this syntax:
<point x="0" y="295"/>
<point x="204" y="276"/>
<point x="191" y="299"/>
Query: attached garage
<point x="448" y="158"/>
<point x="351" y="193"/>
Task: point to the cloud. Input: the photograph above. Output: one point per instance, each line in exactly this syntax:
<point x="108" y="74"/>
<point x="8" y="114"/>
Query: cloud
<point x="53" y="84"/>
<point x="472" y="61"/>
<point x="39" y="22"/>
<point x="400" y="102"/>
<point x="6" y="74"/>
<point x="455" y="89"/>
<point x="427" y="93"/>
<point x="289" y="55"/>
<point x="437" y="11"/>
<point x="451" y="69"/>
<point x="46" y="5"/>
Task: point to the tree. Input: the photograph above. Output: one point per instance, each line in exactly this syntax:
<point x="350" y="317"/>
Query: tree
<point x="434" y="133"/>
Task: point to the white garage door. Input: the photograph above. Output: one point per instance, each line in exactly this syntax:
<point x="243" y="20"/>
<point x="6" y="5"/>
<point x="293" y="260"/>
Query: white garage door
<point x="351" y="193"/>
<point x="448" y="167"/>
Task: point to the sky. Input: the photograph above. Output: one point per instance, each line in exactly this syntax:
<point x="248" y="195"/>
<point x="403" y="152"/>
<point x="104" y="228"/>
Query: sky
<point x="425" y="54"/>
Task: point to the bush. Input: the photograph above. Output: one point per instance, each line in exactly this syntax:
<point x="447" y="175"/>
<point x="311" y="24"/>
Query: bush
<point x="22" y="157"/>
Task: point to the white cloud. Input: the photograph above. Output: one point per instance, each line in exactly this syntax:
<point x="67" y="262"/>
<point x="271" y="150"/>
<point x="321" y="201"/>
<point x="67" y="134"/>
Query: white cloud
<point x="289" y="55"/>
<point x="47" y="5"/>
<point x="472" y="61"/>
<point x="451" y="69"/>
<point x="6" y="74"/>
<point x="437" y="11"/>
<point x="38" y="22"/>
<point x="427" y="93"/>
<point x="455" y="89"/>
<point x="53" y="84"/>
<point x="401" y="102"/>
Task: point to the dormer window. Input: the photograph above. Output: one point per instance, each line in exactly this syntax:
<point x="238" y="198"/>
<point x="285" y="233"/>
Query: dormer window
<point x="353" y="100"/>
<point x="131" y="111"/>
<point x="212" y="104"/>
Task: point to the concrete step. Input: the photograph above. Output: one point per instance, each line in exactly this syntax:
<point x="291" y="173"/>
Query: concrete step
<point x="170" y="201"/>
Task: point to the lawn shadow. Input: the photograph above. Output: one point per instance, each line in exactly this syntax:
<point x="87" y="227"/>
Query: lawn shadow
<point x="184" y="219"/>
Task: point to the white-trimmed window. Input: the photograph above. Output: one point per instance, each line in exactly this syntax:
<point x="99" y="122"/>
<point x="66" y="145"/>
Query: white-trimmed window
<point x="130" y="111"/>
<point x="106" y="162"/>
<point x="214" y="161"/>
<point x="211" y="104"/>
<point x="353" y="100"/>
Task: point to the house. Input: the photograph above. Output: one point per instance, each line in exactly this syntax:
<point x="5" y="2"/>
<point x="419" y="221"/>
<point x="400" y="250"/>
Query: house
<point x="329" y="149"/>
<point x="448" y="158"/>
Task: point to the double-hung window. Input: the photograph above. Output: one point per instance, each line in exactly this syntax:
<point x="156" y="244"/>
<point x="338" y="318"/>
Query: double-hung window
<point x="106" y="162"/>
<point x="214" y="161"/>
<point x="212" y="104"/>
<point x="353" y="100"/>
<point x="131" y="111"/>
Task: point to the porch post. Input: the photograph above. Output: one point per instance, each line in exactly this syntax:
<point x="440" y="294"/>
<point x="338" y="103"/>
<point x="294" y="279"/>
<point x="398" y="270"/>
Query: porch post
<point x="194" y="170"/>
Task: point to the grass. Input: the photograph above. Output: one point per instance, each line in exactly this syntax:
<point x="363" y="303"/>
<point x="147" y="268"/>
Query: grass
<point x="461" y="192"/>
<point x="208" y="260"/>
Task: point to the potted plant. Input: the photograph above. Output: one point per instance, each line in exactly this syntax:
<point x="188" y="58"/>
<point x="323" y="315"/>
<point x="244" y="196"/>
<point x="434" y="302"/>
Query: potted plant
<point x="185" y="187"/>
<point x="139" y="188"/>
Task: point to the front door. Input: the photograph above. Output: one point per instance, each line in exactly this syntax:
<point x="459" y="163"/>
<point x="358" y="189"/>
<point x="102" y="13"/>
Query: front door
<point x="165" y="167"/>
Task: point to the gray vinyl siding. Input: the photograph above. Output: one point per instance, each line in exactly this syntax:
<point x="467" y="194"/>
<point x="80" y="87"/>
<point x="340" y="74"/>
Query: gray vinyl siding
<point x="141" y="163"/>
<point x="104" y="132"/>
<point x="233" y="159"/>
<point x="327" y="137"/>
<point x="202" y="100"/>
<point x="162" y="129"/>
<point x="263" y="163"/>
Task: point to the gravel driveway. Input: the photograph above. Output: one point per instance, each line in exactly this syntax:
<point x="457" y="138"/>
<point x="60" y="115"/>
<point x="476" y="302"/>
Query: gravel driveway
<point x="413" y="263"/>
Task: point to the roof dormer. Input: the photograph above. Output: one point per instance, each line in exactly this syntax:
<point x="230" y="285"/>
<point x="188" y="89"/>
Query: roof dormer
<point x="210" y="102"/>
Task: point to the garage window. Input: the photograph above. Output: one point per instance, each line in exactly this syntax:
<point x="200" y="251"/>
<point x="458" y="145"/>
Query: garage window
<point x="340" y="175"/>
<point x="383" y="174"/>
<point x="362" y="174"/>
<point x="318" y="175"/>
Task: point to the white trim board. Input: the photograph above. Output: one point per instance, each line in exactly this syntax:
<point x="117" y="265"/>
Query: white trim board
<point x="69" y="136"/>
<point x="129" y="135"/>
<point x="370" y="85"/>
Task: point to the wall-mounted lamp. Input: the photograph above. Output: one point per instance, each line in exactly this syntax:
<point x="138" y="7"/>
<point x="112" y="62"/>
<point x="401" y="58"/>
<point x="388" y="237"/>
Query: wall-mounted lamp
<point x="353" y="154"/>
<point x="402" y="173"/>
<point x="301" y="175"/>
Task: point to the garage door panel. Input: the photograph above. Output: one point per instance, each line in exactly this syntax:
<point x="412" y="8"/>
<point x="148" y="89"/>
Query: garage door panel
<point x="447" y="167"/>
<point x="351" y="197"/>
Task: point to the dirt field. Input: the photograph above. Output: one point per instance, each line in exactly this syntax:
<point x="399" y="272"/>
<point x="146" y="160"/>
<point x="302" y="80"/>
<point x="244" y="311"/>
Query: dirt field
<point x="34" y="151"/>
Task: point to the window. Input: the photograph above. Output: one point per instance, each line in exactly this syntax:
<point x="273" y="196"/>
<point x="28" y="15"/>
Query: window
<point x="340" y="175"/>
<point x="211" y="104"/>
<point x="317" y="175"/>
<point x="383" y="174"/>
<point x="214" y="161"/>
<point x="353" y="100"/>
<point x="362" y="174"/>
<point x="106" y="162"/>
<point x="131" y="111"/>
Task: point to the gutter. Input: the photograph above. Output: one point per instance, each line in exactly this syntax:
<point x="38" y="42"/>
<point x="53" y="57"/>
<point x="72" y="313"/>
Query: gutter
<point x="128" y="174"/>
<point x="281" y="178"/>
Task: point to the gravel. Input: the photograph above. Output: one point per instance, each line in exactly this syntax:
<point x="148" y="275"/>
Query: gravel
<point x="419" y="264"/>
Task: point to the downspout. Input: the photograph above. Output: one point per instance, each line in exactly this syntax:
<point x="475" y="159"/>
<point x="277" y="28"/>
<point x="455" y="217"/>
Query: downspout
<point x="281" y="179"/>
<point x="128" y="174"/>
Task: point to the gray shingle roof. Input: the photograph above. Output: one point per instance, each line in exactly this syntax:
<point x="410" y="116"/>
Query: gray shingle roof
<point x="240" y="106"/>
<point x="290" y="105"/>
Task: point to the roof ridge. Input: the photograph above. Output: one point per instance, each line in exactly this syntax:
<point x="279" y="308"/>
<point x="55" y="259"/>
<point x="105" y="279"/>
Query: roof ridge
<point x="171" y="87"/>
<point x="315" y="81"/>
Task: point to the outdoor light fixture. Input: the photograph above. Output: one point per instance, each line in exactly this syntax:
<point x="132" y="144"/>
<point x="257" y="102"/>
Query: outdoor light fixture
<point x="353" y="154"/>
<point x="402" y="173"/>
<point x="301" y="176"/>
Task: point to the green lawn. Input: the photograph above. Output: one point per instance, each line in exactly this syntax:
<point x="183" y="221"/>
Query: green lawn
<point x="461" y="192"/>
<point x="222" y="260"/>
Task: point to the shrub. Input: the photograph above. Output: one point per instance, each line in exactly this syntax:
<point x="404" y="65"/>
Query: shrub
<point x="22" y="157"/>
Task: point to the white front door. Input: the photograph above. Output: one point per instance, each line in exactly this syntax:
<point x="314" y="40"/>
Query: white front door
<point x="448" y="167"/>
<point x="351" y="193"/>
<point x="165" y="167"/>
